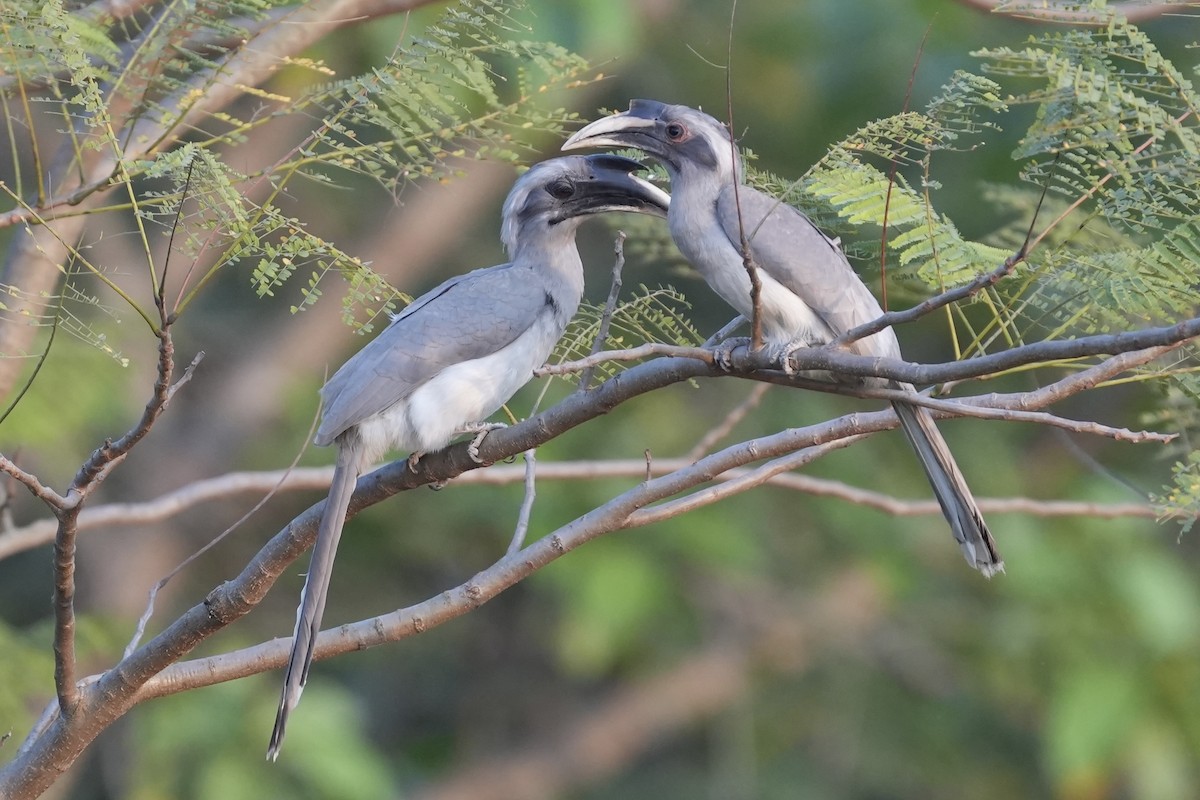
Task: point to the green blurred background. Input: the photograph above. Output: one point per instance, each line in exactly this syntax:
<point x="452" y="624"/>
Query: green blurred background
<point x="776" y="645"/>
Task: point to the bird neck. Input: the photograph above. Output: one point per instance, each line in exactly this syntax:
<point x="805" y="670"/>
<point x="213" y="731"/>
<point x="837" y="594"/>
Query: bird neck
<point x="694" y="196"/>
<point x="551" y="248"/>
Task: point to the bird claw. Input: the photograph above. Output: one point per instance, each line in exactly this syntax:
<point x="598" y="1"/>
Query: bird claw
<point x="723" y="352"/>
<point x="481" y="431"/>
<point x="413" y="458"/>
<point x="785" y="364"/>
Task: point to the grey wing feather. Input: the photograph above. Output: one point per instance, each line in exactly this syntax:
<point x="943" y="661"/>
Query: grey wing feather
<point x="788" y="247"/>
<point x="467" y="317"/>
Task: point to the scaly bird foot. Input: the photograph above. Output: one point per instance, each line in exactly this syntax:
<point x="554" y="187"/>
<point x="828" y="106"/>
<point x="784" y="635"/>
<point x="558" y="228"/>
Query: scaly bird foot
<point x="481" y="430"/>
<point x="723" y="352"/>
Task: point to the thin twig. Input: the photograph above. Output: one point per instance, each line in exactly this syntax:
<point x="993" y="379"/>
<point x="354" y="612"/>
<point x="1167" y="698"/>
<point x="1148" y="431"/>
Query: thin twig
<point x="748" y="263"/>
<point x="111" y="453"/>
<point x="983" y="281"/>
<point x="1091" y="192"/>
<point x="725" y="331"/>
<point x="972" y="407"/>
<point x="518" y="539"/>
<point x="30" y="481"/>
<point x="160" y="290"/>
<point x="628" y="354"/>
<point x="893" y="167"/>
<point x="43" y="356"/>
<point x="184" y="378"/>
<point x="144" y="620"/>
<point x="731" y="420"/>
<point x="610" y="307"/>
<point x="820" y="487"/>
<point x="749" y="479"/>
<point x="929" y="305"/>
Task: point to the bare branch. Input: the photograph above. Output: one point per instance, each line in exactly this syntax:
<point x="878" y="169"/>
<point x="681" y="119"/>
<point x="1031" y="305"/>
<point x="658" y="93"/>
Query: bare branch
<point x="748" y="480"/>
<point x="583" y="749"/>
<point x="748" y="262"/>
<point x="629" y="509"/>
<point x="134" y="679"/>
<point x="616" y="514"/>
<point x="731" y="420"/>
<point x="725" y="332"/>
<point x="518" y="539"/>
<point x="812" y="359"/>
<point x="64" y="616"/>
<point x="1038" y="352"/>
<point x="42" y="532"/>
<point x="997" y="410"/>
<point x="102" y="461"/>
<point x="30" y="481"/>
<point x="610" y="307"/>
<point x="892" y="318"/>
<point x="140" y="629"/>
<point x="628" y="354"/>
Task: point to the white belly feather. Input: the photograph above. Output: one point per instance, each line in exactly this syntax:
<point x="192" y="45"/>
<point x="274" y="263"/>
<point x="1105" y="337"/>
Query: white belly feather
<point x="787" y="320"/>
<point x="459" y="395"/>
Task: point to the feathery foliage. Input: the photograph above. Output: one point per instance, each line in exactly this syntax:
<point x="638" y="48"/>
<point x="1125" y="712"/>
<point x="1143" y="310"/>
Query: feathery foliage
<point x="1116" y="133"/>
<point x="650" y="315"/>
<point x="1115" y="141"/>
<point x="472" y="86"/>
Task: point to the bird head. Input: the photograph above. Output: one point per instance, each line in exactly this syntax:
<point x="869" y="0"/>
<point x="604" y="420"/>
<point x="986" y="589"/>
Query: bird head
<point x="684" y="139"/>
<point x="559" y="190"/>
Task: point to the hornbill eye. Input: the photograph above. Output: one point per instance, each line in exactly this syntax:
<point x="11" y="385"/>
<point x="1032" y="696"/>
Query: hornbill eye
<point x="676" y="132"/>
<point x="561" y="189"/>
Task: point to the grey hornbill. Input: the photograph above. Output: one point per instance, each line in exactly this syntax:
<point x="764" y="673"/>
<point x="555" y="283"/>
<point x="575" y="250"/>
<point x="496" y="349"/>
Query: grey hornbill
<point x="457" y="353"/>
<point x="810" y="294"/>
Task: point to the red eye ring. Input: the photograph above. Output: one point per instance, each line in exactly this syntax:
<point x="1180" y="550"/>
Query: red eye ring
<point x="676" y="132"/>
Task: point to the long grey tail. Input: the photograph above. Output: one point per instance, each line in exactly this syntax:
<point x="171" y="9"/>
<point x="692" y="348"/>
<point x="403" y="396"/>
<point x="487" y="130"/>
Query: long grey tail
<point x="950" y="488"/>
<point x="316" y="583"/>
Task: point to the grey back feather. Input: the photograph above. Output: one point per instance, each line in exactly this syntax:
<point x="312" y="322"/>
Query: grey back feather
<point x="467" y="317"/>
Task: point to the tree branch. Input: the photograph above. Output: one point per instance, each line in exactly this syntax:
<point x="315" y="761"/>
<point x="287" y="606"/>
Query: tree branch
<point x="929" y="305"/>
<point x="720" y="431"/>
<point x="138" y="677"/>
<point x="629" y="509"/>
<point x="30" y="481"/>
<point x="583" y="749"/>
<point x="42" y="532"/>
<point x="759" y="366"/>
